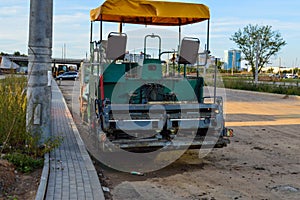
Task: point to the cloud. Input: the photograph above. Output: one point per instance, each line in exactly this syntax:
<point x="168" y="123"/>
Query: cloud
<point x="14" y="27"/>
<point x="72" y="25"/>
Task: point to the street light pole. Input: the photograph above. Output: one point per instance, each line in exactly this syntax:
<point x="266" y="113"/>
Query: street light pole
<point x="256" y="61"/>
<point x="233" y="61"/>
<point x="38" y="120"/>
<point x="215" y="79"/>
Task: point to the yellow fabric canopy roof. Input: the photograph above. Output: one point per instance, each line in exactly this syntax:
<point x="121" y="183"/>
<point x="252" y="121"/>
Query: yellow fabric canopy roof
<point x="150" y="12"/>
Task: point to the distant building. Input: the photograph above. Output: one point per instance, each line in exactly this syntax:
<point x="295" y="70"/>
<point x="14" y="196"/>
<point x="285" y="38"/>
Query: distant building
<point x="232" y="60"/>
<point x="277" y="70"/>
<point x="6" y="65"/>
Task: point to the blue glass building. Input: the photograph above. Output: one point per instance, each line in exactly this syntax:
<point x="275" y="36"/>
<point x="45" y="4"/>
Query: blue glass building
<point x="232" y="59"/>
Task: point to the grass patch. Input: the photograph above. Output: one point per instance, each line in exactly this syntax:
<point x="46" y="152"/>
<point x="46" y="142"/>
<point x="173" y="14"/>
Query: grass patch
<point x="19" y="146"/>
<point x="24" y="162"/>
<point x="269" y="88"/>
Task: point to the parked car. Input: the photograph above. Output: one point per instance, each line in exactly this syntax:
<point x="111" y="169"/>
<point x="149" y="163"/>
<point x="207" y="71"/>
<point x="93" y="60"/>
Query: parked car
<point x="274" y="75"/>
<point x="288" y="76"/>
<point x="295" y="76"/>
<point x="68" y="76"/>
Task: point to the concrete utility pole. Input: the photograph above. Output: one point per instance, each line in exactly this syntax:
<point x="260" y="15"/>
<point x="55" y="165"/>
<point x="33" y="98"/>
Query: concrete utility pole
<point x="38" y="117"/>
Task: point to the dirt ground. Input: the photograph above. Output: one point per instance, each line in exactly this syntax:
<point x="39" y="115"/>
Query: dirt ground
<point x="17" y="185"/>
<point x="262" y="161"/>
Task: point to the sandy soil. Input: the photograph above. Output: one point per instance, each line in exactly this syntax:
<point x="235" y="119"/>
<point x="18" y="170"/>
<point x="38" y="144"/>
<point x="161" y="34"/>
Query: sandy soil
<point x="262" y="161"/>
<point x="17" y="185"/>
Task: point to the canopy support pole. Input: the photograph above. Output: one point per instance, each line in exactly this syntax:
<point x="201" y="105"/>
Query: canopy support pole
<point x="179" y="35"/>
<point x="120" y="27"/>
<point x="179" y="38"/>
<point x="208" y="24"/>
<point x="101" y="24"/>
<point x="91" y="33"/>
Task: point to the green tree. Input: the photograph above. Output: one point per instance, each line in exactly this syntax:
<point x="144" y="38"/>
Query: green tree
<point x="3" y="54"/>
<point x="256" y="40"/>
<point x="17" y="53"/>
<point x="271" y="70"/>
<point x="220" y="64"/>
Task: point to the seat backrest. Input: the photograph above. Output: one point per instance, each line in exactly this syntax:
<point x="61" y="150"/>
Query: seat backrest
<point x="116" y="46"/>
<point x="189" y="50"/>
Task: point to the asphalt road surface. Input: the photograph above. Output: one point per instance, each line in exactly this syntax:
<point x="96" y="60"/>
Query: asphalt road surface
<point x="262" y="161"/>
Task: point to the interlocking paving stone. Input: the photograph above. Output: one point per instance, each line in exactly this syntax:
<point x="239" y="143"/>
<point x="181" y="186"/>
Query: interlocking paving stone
<point x="72" y="175"/>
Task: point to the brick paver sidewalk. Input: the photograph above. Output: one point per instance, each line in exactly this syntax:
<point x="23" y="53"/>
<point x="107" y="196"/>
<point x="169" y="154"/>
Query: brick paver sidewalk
<point x="72" y="174"/>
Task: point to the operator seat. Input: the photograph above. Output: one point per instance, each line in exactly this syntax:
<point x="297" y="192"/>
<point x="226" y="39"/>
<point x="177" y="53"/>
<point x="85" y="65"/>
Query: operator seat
<point x="188" y="50"/>
<point x="116" y="46"/>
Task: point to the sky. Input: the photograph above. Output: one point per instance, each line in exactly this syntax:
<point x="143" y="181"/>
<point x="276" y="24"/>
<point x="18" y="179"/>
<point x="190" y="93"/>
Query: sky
<point x="71" y="26"/>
